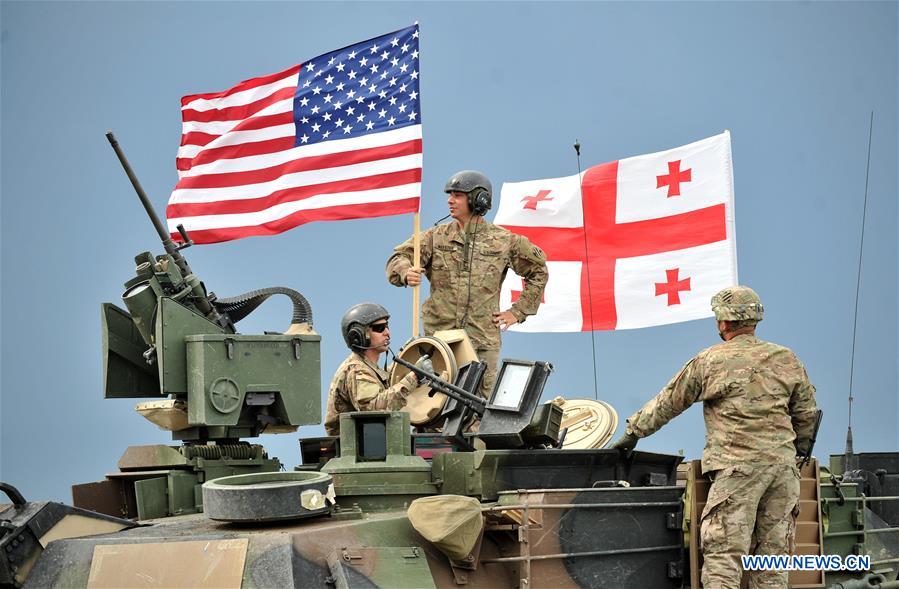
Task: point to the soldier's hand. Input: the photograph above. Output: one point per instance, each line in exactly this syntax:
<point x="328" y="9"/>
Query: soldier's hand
<point x="504" y="319"/>
<point x="626" y="443"/>
<point x="803" y="445"/>
<point x="411" y="381"/>
<point x="413" y="276"/>
<point x="424" y="363"/>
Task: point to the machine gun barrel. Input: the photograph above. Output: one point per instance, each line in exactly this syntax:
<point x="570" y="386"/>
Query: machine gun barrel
<point x="167" y="243"/>
<point x="200" y="297"/>
<point x="475" y="403"/>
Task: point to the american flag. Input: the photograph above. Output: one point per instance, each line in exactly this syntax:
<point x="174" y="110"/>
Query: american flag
<point x="335" y="137"/>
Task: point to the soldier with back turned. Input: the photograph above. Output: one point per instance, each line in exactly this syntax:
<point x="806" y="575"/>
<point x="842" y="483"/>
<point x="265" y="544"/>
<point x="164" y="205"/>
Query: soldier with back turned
<point x="760" y="411"/>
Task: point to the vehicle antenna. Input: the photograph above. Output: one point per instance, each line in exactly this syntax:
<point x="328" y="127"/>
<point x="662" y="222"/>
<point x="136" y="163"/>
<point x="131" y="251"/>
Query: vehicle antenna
<point x="577" y="149"/>
<point x="849" y="450"/>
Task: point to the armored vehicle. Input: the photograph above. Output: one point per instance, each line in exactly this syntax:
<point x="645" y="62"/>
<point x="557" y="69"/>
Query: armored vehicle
<point x="382" y="505"/>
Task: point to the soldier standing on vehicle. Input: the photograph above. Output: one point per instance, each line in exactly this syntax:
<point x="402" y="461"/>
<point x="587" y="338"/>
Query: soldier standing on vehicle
<point x="466" y="261"/>
<point x="760" y="410"/>
<point x="359" y="384"/>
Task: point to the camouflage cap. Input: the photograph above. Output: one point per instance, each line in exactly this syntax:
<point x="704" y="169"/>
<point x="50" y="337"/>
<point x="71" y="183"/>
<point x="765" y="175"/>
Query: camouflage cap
<point x="737" y="303"/>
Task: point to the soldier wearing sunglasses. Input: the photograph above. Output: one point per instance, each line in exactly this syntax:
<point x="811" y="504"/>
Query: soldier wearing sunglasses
<point x="359" y="384"/>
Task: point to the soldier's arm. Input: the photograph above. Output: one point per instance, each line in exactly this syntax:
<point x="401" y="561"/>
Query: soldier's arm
<point x="399" y="262"/>
<point x="332" y="423"/>
<point x="803" y="406"/>
<point x="368" y="395"/>
<point x="529" y="262"/>
<point x="336" y="404"/>
<point x="682" y="391"/>
<point x="401" y="259"/>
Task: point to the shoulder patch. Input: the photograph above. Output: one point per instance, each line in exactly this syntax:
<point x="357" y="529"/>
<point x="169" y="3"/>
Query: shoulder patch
<point x="363" y="374"/>
<point x="366" y="389"/>
<point x="529" y="251"/>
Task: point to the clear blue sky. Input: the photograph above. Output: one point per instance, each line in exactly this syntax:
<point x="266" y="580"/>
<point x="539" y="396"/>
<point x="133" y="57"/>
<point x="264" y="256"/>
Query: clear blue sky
<point x="505" y="88"/>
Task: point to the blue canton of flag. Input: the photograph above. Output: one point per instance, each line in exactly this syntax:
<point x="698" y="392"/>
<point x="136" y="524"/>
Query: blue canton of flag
<point x="364" y="88"/>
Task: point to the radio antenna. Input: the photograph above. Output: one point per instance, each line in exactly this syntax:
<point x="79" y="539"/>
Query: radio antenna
<point x="848" y="459"/>
<point x="577" y="149"/>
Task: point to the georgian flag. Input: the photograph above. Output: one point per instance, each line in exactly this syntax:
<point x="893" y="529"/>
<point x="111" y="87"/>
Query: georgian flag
<point x="642" y="241"/>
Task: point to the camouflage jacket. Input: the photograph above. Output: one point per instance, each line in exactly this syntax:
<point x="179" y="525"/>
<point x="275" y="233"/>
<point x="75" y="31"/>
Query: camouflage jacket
<point x="757" y="400"/>
<point x="359" y="385"/>
<point x="446" y="256"/>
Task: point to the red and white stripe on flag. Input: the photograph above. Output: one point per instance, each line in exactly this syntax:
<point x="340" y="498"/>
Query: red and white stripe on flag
<point x="642" y="241"/>
<point x="336" y="137"/>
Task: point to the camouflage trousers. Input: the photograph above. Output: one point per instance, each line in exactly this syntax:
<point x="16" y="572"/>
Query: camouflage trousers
<point x="491" y="357"/>
<point x="751" y="509"/>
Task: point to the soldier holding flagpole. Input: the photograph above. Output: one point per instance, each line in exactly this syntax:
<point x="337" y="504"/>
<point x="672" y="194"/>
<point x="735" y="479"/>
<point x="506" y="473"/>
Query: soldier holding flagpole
<point x="466" y="261"/>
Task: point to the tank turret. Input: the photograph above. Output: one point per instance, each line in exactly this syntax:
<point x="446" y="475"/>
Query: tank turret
<point x="176" y="343"/>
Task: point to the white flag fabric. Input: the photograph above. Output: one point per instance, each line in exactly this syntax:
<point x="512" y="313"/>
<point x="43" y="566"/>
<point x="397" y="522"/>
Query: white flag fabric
<point x="641" y="241"/>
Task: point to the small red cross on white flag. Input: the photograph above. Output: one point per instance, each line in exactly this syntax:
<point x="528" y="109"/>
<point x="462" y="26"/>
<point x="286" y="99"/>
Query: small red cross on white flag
<point x="654" y="234"/>
<point x="530" y="202"/>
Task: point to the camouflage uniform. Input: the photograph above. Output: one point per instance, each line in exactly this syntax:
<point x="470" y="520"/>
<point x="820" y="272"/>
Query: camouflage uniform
<point x="757" y="401"/>
<point x="359" y="385"/>
<point x="445" y="257"/>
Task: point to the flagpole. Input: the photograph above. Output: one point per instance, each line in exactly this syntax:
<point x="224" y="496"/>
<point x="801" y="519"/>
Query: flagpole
<point x="416" y="260"/>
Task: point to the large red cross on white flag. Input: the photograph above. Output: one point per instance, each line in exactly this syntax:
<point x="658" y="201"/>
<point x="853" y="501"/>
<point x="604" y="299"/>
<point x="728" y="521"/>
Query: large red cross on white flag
<point x="649" y="242"/>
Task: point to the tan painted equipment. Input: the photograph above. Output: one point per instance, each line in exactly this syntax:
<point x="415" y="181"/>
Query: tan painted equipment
<point x="449" y="350"/>
<point x="591" y="424"/>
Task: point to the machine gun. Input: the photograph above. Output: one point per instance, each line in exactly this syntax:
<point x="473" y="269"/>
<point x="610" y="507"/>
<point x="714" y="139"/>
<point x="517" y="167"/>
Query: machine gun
<point x="178" y="282"/>
<point x="511" y="418"/>
<point x="475" y="403"/>
<point x="177" y="342"/>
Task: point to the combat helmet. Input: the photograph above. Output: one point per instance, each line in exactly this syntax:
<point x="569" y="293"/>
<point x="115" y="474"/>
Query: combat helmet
<point x="355" y="321"/>
<point x="476" y="185"/>
<point x="737" y="303"/>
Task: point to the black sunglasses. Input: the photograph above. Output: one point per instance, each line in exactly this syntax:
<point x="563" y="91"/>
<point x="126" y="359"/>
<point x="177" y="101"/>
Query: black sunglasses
<point x="378" y="327"/>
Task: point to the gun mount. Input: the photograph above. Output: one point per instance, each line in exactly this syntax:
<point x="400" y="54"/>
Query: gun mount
<point x="511" y="418"/>
<point x="176" y="343"/>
